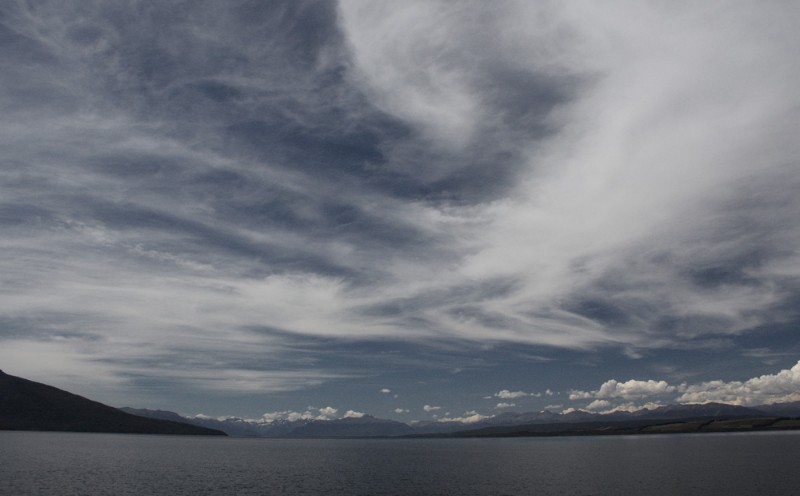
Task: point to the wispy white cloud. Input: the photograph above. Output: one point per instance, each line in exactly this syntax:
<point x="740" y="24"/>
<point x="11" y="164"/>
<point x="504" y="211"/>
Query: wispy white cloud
<point x="505" y="405"/>
<point x="431" y="408"/>
<point x="541" y="173"/>
<point x="607" y="199"/>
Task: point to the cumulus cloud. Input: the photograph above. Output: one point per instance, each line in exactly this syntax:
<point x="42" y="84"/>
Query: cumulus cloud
<point x="580" y="395"/>
<point x="401" y="410"/>
<point x="328" y="411"/>
<point x="469" y="417"/>
<point x="634" y="407"/>
<point x="632" y="389"/>
<point x="386" y="391"/>
<point x="510" y="395"/>
<point x="605" y="406"/>
<point x="598" y="405"/>
<point x="353" y="414"/>
<point x="311" y="413"/>
<point x="505" y="405"/>
<point x="287" y="415"/>
<point x="431" y="408"/>
<point x="783" y="386"/>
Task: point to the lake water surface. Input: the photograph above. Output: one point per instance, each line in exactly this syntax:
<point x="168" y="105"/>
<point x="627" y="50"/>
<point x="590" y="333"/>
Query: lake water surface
<point x="97" y="464"/>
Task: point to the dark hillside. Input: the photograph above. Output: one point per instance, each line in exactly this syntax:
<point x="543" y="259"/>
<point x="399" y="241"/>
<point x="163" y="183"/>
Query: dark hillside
<point x="32" y="406"/>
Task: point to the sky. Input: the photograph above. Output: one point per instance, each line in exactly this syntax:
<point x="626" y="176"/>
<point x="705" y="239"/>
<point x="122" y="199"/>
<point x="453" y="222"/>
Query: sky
<point x="416" y="210"/>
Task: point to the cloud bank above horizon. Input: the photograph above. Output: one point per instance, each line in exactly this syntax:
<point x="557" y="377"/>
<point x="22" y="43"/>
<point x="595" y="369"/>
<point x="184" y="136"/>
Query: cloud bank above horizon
<point x="221" y="194"/>
<point x="612" y="396"/>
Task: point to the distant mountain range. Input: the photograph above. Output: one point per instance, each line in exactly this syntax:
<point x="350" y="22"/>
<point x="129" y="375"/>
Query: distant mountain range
<point x="705" y="417"/>
<point x="27" y="405"/>
<point x="365" y="426"/>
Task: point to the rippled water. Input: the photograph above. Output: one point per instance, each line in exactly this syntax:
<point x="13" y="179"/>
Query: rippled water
<point x="96" y="464"/>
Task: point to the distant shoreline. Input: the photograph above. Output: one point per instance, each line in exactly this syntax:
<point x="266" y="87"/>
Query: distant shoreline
<point x="673" y="426"/>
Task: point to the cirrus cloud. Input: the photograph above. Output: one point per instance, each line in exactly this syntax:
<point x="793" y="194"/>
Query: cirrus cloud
<point x="194" y="195"/>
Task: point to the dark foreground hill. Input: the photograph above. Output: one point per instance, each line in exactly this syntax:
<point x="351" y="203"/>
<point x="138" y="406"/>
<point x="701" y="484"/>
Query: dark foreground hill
<point x="31" y="406"/>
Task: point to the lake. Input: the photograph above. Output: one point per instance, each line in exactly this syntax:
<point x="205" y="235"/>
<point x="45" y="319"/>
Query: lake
<point x="38" y="463"/>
